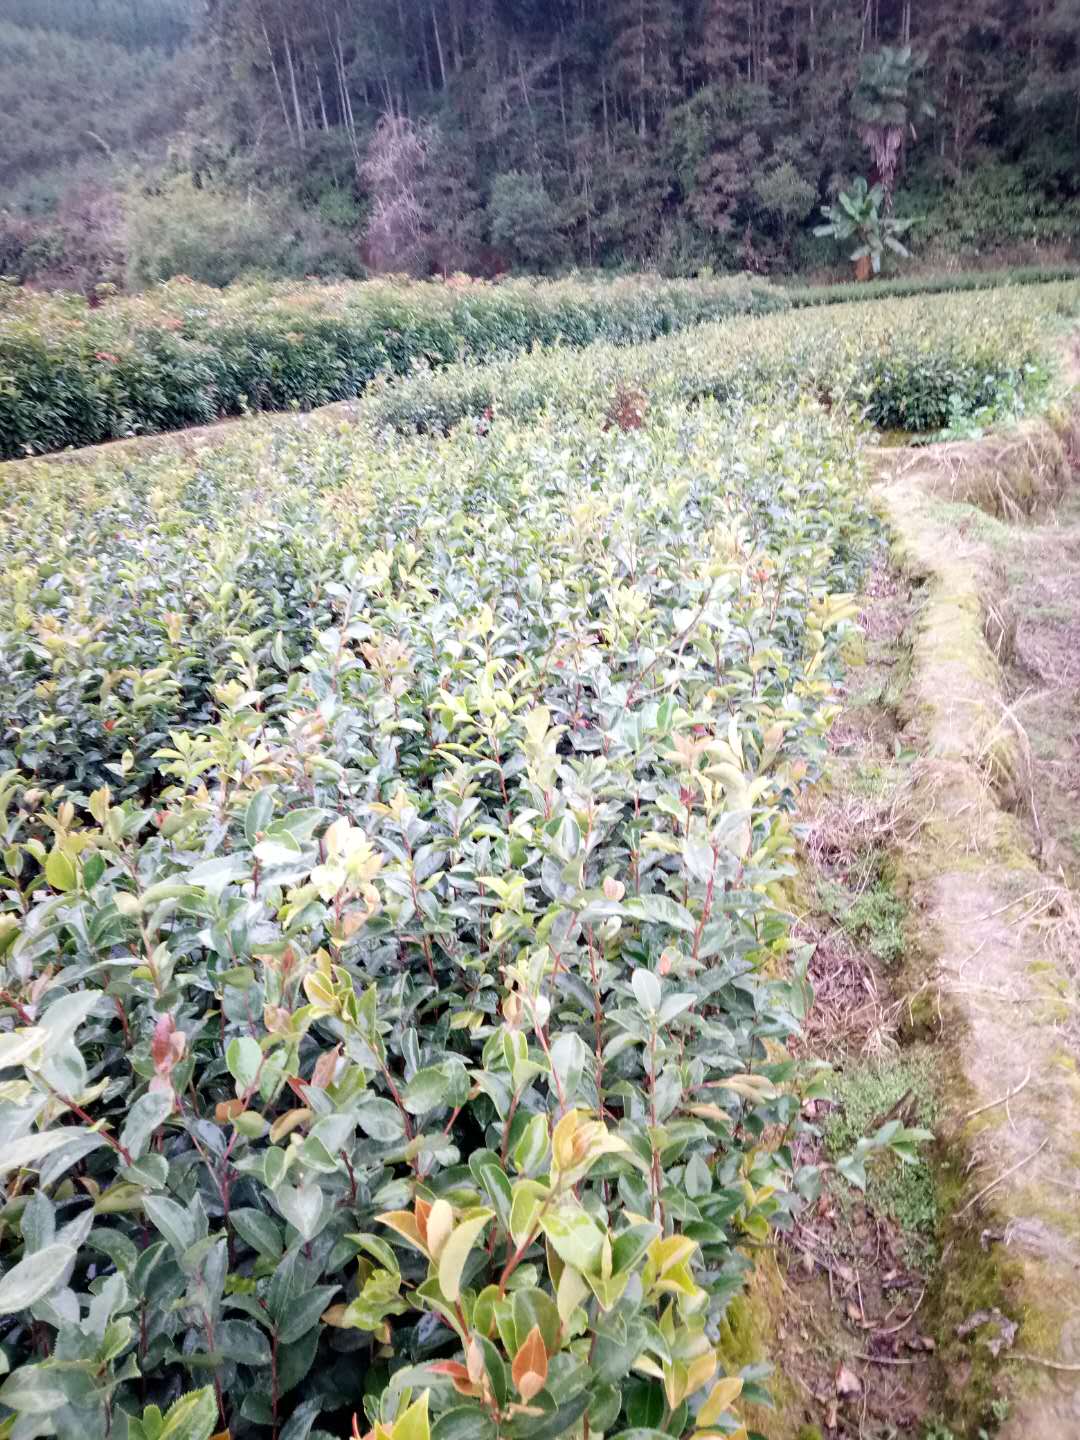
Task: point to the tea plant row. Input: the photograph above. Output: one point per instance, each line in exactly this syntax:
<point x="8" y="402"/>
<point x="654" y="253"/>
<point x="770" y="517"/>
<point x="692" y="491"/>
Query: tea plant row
<point x="397" y="968"/>
<point x="905" y="285"/>
<point x="185" y="354"/>
<point x="917" y="365"/>
<point x="125" y="589"/>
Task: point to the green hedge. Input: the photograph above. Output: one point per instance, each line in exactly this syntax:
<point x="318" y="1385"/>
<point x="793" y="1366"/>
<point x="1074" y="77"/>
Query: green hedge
<point x="399" y="977"/>
<point x="804" y="296"/>
<point x="71" y="375"/>
<point x="186" y="355"/>
<point x="919" y="365"/>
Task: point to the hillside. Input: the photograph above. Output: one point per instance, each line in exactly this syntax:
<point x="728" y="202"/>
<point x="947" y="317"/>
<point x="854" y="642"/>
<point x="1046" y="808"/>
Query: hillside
<point x="141" y="140"/>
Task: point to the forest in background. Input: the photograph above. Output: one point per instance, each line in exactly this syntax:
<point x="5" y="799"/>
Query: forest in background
<point x="147" y="138"/>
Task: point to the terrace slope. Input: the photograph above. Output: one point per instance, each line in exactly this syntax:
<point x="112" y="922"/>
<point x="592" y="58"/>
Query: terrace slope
<point x="998" y="929"/>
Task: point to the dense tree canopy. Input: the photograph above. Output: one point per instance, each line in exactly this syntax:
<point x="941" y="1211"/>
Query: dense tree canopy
<point x="542" y="132"/>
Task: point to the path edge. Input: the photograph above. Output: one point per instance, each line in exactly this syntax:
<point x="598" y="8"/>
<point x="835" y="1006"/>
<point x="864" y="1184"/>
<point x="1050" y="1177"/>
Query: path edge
<point x="1017" y="1248"/>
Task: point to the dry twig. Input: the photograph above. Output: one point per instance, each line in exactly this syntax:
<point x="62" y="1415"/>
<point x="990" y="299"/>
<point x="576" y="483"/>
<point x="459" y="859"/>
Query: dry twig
<point x="1001" y="1100"/>
<point x="995" y="1183"/>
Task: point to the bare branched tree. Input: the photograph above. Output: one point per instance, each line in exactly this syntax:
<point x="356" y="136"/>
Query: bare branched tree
<point x="398" y="237"/>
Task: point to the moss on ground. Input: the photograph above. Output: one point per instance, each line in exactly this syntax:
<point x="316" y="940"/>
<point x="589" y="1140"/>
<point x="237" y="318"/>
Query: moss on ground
<point x="875" y="779"/>
<point x="866" y="1096"/>
<point x="953" y="712"/>
<point x="875" y="917"/>
<point x="748" y="1332"/>
<point x="938" y="1430"/>
<point x="976" y="1278"/>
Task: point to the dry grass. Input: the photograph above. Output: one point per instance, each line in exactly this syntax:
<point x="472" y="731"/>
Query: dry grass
<point x="1011" y="475"/>
<point x="849" y="1014"/>
<point x="846" y="829"/>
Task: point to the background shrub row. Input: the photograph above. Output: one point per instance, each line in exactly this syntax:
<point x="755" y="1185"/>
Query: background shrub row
<point x="72" y="375"/>
<point x="916" y="365"/>
<point x="184" y="354"/>
<point x="801" y="296"/>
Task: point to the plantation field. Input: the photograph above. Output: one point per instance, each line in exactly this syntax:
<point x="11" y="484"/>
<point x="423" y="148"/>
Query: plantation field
<point x="185" y="354"/>
<point x="918" y="365"/>
<point x="399" y="979"/>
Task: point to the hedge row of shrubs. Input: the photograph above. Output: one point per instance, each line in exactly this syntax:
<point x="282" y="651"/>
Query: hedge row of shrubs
<point x="72" y="375"/>
<point x="394" y="987"/>
<point x="918" y="365"/>
<point x="396" y="948"/>
<point x="802" y="296"/>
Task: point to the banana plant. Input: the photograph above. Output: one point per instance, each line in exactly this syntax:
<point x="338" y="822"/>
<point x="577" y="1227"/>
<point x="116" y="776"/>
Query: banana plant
<point x="858" y="215"/>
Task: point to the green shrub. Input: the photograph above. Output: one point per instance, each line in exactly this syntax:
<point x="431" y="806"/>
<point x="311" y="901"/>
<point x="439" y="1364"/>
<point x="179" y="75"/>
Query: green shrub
<point x="215" y="237"/>
<point x="392" y="921"/>
<point x="181" y="355"/>
<point x="917" y="364"/>
<point x="525" y="220"/>
<point x="995" y="208"/>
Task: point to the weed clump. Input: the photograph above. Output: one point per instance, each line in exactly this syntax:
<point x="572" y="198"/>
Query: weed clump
<point x="874" y="918"/>
<point x="866" y="1097"/>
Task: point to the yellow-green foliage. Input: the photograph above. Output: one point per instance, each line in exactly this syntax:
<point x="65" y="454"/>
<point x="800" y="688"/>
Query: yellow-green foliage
<point x="915" y="364"/>
<point x="184" y="354"/>
<point x="393" y="943"/>
<point x="865" y="1095"/>
<point x="396" y="964"/>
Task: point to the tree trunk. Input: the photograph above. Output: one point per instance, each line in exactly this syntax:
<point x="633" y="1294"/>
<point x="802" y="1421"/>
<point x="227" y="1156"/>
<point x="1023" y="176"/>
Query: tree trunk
<point x="456" y="41"/>
<point x="607" y="132"/>
<point x="322" y="99"/>
<point x="429" y="79"/>
<point x="438" y="45"/>
<point x="562" y="112"/>
<point x="588" y="214"/>
<point x="346" y="99"/>
<point x="277" y="77"/>
<point x="643" y="129"/>
<point x="295" y="94"/>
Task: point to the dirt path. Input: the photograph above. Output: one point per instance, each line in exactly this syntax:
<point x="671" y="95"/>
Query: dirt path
<point x="180" y="442"/>
<point x="997" y="927"/>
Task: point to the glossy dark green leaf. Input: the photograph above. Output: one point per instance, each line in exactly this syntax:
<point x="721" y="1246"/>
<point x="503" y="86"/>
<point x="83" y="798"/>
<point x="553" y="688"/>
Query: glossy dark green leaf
<point x="242" y="1341"/>
<point x="464" y="1422"/>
